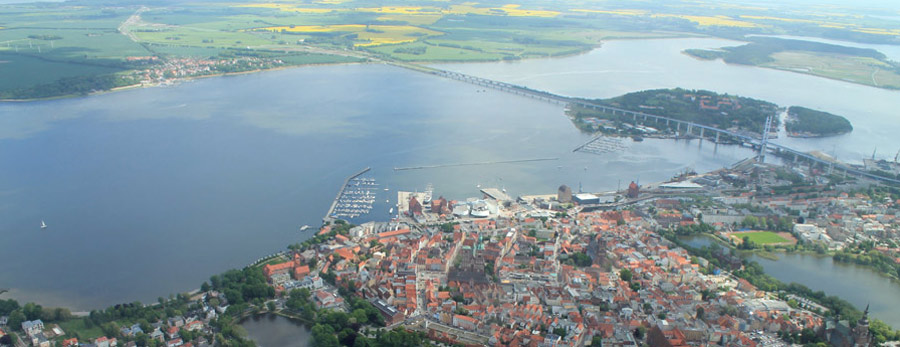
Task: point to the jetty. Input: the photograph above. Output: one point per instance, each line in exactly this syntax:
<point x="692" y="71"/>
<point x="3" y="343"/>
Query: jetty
<point x="334" y="203"/>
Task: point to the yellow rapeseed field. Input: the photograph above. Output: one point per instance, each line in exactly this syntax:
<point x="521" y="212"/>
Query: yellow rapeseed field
<point x="466" y="8"/>
<point x="712" y="21"/>
<point x="288" y="8"/>
<point x="375" y="35"/>
<point x="789" y="20"/>
<point x="879" y="31"/>
<point x="507" y="10"/>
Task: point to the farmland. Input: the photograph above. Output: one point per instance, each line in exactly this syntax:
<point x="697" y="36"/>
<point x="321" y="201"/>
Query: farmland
<point x="82" y="38"/>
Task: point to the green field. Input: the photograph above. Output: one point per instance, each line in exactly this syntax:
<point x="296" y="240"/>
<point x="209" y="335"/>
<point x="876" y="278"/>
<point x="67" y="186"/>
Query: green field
<point x="862" y="70"/>
<point x="41" y="41"/>
<point x="761" y="237"/>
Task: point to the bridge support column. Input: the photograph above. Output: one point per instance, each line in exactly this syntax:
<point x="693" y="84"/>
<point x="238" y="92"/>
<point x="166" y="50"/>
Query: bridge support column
<point x="717" y="137"/>
<point x="701" y="133"/>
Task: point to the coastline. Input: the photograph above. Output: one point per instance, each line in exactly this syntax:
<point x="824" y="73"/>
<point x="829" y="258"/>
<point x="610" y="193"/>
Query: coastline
<point x="795" y="71"/>
<point x="175" y="81"/>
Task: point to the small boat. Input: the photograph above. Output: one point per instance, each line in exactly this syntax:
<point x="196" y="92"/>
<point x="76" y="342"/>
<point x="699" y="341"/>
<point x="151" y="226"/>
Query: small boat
<point x="391" y="211"/>
<point x="304" y="227"/>
<point x="43" y="225"/>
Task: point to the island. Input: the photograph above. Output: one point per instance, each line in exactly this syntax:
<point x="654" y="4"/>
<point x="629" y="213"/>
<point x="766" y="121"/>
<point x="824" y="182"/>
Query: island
<point x="723" y="111"/>
<point x="804" y="122"/>
<point x="737" y="114"/>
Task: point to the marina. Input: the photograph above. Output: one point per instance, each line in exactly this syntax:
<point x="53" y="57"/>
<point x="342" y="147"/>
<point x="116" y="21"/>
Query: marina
<point x="356" y="197"/>
<point x="341" y="206"/>
<point x="602" y="145"/>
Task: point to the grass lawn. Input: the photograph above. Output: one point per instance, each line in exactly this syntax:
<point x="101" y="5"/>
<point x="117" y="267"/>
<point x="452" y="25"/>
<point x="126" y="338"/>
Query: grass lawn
<point x="77" y="325"/>
<point x="761" y="237"/>
<point x="276" y="260"/>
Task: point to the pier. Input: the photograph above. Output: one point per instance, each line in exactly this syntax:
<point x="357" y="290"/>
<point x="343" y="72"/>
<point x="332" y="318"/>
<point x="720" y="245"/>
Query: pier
<point x="341" y="192"/>
<point x="472" y="164"/>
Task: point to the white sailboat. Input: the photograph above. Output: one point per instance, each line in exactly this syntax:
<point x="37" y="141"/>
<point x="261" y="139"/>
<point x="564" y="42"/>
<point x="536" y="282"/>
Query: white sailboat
<point x="43" y="225"/>
<point x="304" y="227"/>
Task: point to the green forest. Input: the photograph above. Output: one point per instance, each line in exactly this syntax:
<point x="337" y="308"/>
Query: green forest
<point x="704" y="107"/>
<point x="760" y="49"/>
<point x="816" y="123"/>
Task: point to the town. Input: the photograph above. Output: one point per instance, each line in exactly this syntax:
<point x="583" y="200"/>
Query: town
<point x="563" y="269"/>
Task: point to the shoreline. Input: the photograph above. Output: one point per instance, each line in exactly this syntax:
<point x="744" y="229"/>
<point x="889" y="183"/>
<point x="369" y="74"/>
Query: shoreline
<point x="794" y="71"/>
<point x="174" y="81"/>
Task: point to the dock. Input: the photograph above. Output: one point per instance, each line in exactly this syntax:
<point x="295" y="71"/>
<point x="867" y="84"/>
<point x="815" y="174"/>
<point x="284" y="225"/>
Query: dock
<point x="496" y="194"/>
<point x="341" y="192"/>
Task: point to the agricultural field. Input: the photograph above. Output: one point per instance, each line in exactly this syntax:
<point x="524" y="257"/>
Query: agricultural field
<point x="100" y="38"/>
<point x="763" y="237"/>
<point x="862" y="70"/>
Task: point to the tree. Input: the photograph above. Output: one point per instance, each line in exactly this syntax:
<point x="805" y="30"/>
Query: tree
<point x="597" y="341"/>
<point x="16" y="318"/>
<point x="560" y="331"/>
<point x="204" y="287"/>
<point x="700" y="312"/>
<point x="324" y="336"/>
<point x="7" y="306"/>
<point x="625" y="274"/>
<point x="32" y="311"/>
<point x="640" y="332"/>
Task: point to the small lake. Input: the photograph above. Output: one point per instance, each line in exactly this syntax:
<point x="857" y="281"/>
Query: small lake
<point x="858" y="285"/>
<point x="271" y="330"/>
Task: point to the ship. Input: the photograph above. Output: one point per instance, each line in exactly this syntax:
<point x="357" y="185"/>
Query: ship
<point x="429" y="190"/>
<point x="391" y="211"/>
<point x="43" y="225"/>
<point x="304" y="227"/>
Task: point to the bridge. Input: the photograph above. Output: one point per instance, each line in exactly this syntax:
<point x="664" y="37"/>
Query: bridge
<point x="703" y="131"/>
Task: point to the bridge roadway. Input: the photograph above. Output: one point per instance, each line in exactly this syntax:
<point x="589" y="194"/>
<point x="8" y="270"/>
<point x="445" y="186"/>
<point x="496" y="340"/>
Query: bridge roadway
<point x="689" y="126"/>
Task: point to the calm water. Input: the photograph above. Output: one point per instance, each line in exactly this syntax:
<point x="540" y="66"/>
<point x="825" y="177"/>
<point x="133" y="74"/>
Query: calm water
<point x="148" y="192"/>
<point x="858" y="285"/>
<point x="620" y="67"/>
<point x="271" y="330"/>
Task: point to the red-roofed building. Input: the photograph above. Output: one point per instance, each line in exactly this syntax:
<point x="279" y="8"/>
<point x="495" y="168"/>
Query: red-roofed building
<point x="281" y="268"/>
<point x="300" y="272"/>
<point x="415" y="208"/>
<point x="465" y="322"/>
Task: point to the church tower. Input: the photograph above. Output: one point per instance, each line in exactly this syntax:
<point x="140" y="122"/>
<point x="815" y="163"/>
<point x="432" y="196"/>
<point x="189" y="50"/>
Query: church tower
<point x="861" y="335"/>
